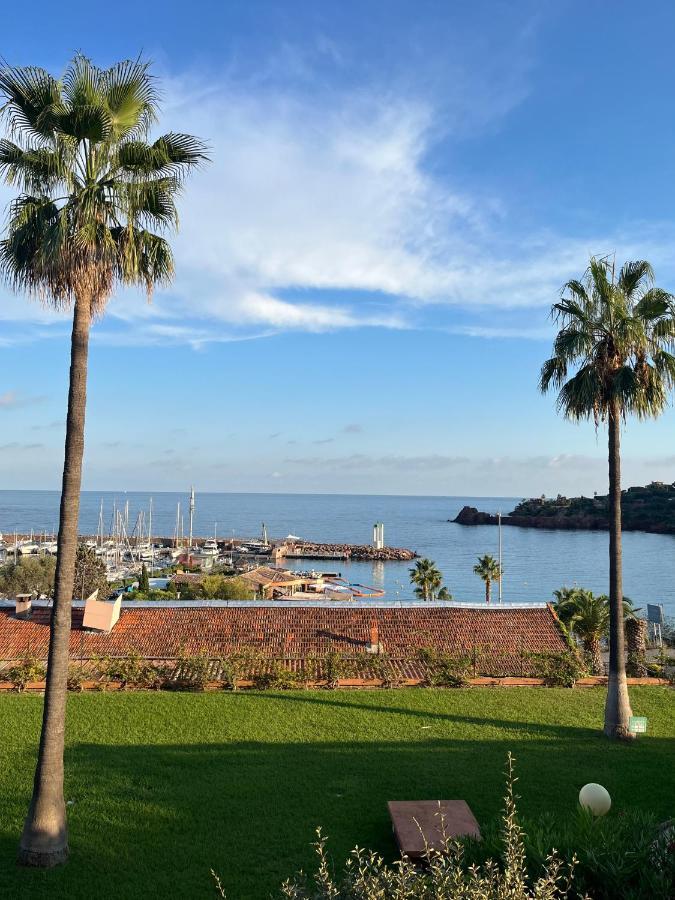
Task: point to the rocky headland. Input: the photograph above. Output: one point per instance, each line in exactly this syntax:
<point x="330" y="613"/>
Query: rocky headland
<point x="650" y="508"/>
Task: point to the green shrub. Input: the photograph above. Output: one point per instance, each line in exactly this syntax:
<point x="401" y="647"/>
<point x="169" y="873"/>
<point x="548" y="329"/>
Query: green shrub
<point x="194" y="671"/>
<point x="625" y="854"/>
<point x="133" y="670"/>
<point x="27" y="670"/>
<point x="377" y="666"/>
<point x="443" y="669"/>
<point x="336" y="665"/>
<point x="557" y="669"/>
<point x="276" y="677"/>
<point x="236" y="665"/>
<point x="75" y="677"/>
<point x="446" y="875"/>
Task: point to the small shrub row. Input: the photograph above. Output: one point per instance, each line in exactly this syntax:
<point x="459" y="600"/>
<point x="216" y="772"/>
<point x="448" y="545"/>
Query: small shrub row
<point x="193" y="671"/>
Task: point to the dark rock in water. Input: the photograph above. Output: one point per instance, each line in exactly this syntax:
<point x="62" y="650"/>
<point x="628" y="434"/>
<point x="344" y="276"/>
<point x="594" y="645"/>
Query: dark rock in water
<point x="469" y="515"/>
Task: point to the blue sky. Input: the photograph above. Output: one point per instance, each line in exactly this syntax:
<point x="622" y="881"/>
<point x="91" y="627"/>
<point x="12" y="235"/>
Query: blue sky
<point x="364" y="272"/>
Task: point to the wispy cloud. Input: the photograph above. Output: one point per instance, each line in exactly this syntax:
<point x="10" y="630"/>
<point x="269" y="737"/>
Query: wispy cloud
<point x="16" y="400"/>
<point x="320" y="211"/>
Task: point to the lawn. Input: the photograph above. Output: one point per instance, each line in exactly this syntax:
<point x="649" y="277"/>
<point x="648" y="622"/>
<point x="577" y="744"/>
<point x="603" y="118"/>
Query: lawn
<point x="163" y="787"/>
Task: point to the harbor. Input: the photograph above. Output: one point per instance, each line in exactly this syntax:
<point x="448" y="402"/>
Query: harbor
<point x="125" y="543"/>
<point x="536" y="561"/>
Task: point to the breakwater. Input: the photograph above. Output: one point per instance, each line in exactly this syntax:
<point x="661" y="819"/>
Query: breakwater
<point x="356" y="552"/>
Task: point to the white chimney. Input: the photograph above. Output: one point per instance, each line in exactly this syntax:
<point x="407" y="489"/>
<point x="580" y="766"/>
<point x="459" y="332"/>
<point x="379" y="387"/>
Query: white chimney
<point x="101" y="615"/>
<point x="24" y="605"/>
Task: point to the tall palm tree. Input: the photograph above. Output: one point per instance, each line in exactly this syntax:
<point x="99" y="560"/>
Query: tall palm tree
<point x="488" y="569"/>
<point x="95" y="198"/>
<point x="612" y="358"/>
<point x="427" y="579"/>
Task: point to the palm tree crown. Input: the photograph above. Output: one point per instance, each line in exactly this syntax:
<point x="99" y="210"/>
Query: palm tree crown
<point x="588" y="616"/>
<point x="488" y="569"/>
<point x="428" y="580"/>
<point x="95" y="195"/>
<point x="618" y="337"/>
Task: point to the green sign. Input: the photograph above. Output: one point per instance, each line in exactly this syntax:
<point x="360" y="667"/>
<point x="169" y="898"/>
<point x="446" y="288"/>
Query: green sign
<point x="637" y="725"/>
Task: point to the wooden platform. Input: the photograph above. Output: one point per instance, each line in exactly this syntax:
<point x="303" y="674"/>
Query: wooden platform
<point x="417" y="821"/>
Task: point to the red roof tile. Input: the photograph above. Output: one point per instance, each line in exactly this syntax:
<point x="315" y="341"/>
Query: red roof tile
<point x="283" y="631"/>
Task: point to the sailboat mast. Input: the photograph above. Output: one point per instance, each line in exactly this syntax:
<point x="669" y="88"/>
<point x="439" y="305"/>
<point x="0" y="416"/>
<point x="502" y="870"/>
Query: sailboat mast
<point x="100" y="524"/>
<point x="192" y="513"/>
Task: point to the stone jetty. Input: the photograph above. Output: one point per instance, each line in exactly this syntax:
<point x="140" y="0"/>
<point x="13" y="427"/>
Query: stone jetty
<point x="357" y="552"/>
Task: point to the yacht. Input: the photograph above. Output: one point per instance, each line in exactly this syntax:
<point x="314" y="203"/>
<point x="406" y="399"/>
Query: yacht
<point x="210" y="547"/>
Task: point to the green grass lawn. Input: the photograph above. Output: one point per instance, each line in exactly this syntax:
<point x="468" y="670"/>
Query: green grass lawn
<point x="166" y="786"/>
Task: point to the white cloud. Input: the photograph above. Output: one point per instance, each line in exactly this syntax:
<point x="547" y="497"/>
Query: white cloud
<point x="314" y="195"/>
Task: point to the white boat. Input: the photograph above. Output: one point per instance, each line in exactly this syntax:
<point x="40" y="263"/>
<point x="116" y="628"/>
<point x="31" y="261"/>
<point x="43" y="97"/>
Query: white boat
<point x="28" y="548"/>
<point x="210" y="548"/>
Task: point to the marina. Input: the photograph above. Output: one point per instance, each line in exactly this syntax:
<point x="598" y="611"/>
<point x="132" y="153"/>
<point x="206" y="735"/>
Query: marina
<point x="536" y="561"/>
<point x="261" y="561"/>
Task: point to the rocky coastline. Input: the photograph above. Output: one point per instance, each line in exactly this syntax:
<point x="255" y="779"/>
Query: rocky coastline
<point x="650" y="509"/>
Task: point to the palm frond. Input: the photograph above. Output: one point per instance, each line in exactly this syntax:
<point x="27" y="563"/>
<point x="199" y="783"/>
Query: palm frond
<point x="173" y="154"/>
<point x="582" y="396"/>
<point x="32" y="98"/>
<point x="635" y="276"/>
<point x="654" y="304"/>
<point x="553" y="373"/>
<point x="37" y="170"/>
<point x="131" y="96"/>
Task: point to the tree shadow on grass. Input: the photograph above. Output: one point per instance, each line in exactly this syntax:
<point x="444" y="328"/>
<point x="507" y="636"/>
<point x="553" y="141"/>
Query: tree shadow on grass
<point x="559" y="731"/>
<point x="152" y="820"/>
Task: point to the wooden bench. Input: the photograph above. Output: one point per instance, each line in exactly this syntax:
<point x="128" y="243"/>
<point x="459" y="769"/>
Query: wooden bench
<point x="417" y="821"/>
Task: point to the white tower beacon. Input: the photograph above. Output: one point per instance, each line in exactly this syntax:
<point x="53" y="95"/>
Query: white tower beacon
<point x="378" y="535"/>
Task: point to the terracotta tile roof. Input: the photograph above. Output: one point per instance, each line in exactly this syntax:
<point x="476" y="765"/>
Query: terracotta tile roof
<point x="187" y="577"/>
<point x="266" y="576"/>
<point x="279" y="631"/>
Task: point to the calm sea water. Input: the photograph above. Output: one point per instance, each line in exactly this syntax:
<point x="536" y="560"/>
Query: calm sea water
<point x="535" y="561"/>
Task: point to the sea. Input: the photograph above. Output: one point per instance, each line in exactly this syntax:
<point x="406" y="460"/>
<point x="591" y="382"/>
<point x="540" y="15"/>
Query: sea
<point x="535" y="561"/>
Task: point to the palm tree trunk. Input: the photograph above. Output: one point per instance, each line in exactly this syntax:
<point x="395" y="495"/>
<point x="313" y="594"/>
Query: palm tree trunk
<point x="592" y="648"/>
<point x="44" y="841"/>
<point x="487" y="590"/>
<point x="617" y="706"/>
<point x="636" y="647"/>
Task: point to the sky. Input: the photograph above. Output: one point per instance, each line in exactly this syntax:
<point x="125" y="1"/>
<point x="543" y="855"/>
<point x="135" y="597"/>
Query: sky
<point x="397" y="191"/>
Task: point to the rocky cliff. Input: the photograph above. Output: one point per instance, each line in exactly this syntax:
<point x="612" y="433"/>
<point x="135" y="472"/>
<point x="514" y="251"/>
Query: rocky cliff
<point x="650" y="508"/>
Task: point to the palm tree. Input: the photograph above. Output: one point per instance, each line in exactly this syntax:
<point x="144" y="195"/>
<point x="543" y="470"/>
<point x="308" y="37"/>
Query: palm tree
<point x="587" y="615"/>
<point x="488" y="569"/>
<point x="611" y="359"/>
<point x="90" y="187"/>
<point x="427" y="579"/>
